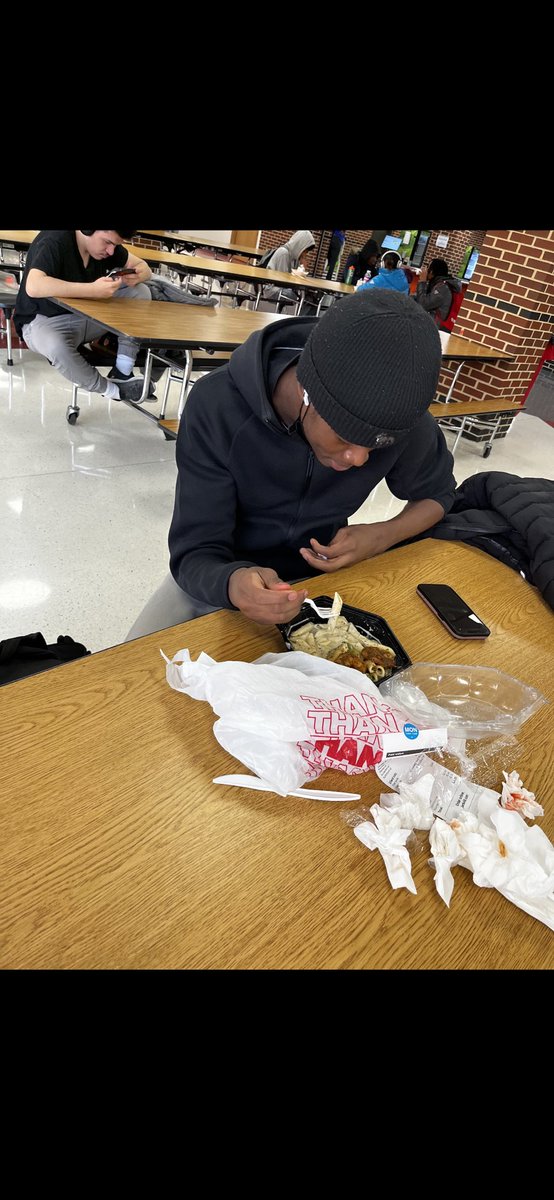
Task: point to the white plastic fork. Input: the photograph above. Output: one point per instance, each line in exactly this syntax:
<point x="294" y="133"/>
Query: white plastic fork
<point x="258" y="785"/>
<point x="321" y="612"/>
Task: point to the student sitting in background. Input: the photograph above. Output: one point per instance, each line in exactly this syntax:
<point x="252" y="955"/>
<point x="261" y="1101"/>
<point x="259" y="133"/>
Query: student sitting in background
<point x="76" y="263"/>
<point x="360" y="262"/>
<point x="289" y="257"/>
<point x="436" y="290"/>
<point x="390" y="275"/>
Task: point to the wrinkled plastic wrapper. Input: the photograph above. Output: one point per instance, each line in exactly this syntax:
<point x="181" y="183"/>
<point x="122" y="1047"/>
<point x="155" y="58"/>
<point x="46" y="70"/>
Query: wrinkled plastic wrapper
<point x="291" y="716"/>
<point x="447" y="793"/>
<point x="471" y="701"/>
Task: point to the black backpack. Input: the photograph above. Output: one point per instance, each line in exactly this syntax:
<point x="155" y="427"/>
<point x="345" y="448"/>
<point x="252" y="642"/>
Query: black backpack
<point x="267" y="254"/>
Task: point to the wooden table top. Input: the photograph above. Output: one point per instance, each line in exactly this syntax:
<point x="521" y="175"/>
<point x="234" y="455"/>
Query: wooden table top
<point x="195" y="264"/>
<point x="462" y="347"/>
<point x="117" y="851"/>
<point x="194" y="240"/>
<point x="161" y="322"/>
<point x="466" y="408"/>
<point x="25" y="236"/>
<point x="20" y="237"/>
<point x="193" y="325"/>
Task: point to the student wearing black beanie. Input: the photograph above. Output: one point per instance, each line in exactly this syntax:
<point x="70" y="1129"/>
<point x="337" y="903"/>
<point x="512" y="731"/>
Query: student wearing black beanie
<point x="279" y="448"/>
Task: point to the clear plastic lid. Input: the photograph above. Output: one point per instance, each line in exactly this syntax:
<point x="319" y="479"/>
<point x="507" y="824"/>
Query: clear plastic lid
<point x="471" y="701"/>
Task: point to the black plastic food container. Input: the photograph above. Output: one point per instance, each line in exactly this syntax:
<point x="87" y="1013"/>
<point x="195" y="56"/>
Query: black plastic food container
<point x="369" y="624"/>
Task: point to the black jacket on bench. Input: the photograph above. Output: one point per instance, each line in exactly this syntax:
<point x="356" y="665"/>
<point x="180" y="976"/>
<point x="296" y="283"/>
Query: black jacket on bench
<point x="509" y="517"/>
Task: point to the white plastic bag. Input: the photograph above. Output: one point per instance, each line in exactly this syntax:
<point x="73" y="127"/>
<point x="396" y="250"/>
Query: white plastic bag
<point x="290" y="716"/>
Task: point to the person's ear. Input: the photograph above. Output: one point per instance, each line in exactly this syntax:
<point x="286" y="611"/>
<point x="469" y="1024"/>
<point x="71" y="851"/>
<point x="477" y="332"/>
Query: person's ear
<point x="302" y="395"/>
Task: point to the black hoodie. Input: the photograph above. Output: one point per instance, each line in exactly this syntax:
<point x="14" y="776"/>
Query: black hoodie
<point x="251" y="494"/>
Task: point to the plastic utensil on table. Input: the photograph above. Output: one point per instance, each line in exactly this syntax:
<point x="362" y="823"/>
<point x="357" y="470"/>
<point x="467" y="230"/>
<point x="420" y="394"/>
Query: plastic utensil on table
<point x="252" y="781"/>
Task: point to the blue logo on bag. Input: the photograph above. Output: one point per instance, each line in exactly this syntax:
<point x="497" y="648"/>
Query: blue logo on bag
<point x="411" y="731"/>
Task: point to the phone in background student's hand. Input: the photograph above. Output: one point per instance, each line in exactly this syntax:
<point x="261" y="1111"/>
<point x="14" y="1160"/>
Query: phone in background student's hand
<point x="452" y="611"/>
<point x="117" y="271"/>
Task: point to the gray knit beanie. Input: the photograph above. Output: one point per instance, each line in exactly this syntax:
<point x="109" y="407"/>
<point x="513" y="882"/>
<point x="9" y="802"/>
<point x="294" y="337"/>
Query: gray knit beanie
<point x="371" y="366"/>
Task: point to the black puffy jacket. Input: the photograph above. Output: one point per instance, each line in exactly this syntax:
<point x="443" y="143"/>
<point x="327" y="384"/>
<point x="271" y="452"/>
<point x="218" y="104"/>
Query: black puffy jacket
<point x="509" y="517"/>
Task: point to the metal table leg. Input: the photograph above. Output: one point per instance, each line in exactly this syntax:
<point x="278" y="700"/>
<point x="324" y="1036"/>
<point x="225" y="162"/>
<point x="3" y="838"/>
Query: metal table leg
<point x="7" y="309"/>
<point x="458" y="435"/>
<point x="456" y="373"/>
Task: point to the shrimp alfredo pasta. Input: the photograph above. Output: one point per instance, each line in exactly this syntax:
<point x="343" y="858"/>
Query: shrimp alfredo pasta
<point x="339" y="641"/>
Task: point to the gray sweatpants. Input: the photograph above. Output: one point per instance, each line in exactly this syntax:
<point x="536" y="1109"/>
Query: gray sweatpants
<point x="58" y="337"/>
<point x="169" y="605"/>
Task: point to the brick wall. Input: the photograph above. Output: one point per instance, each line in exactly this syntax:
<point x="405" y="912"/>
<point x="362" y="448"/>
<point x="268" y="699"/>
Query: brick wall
<point x="458" y="242"/>
<point x="151" y="243"/>
<point x="509" y="305"/>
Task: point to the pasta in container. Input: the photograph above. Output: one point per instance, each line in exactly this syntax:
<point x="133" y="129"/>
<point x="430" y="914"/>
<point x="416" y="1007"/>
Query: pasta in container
<point x="350" y="636"/>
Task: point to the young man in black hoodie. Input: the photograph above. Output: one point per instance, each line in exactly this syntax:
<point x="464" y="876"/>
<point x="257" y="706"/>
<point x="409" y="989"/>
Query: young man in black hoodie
<point x="277" y="449"/>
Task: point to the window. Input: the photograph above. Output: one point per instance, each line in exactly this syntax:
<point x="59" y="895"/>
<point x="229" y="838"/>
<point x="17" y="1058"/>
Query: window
<point x="420" y="247"/>
<point x="470" y="262"/>
<point x="391" y="243"/>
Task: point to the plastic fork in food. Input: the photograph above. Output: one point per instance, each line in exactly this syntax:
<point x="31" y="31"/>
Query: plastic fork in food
<point x="258" y="785"/>
<point x="321" y="612"/>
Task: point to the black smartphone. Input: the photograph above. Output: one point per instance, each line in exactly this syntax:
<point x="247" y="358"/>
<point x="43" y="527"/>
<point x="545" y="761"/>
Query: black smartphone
<point x="121" y="271"/>
<point x="455" y="614"/>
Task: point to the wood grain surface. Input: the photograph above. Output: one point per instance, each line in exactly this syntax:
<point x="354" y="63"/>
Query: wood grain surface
<point x="162" y="322"/>
<point x="117" y="851"/>
<point x="196" y="265"/>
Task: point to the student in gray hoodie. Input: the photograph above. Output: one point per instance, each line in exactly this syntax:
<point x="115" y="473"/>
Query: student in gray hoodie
<point x="288" y="257"/>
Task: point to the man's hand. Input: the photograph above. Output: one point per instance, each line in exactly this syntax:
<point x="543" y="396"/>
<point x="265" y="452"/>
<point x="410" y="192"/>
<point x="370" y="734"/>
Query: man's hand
<point x="350" y="545"/>
<point x="142" y="271"/>
<point x="355" y="543"/>
<point x="263" y="597"/>
<point x="128" y="280"/>
<point x="104" y="288"/>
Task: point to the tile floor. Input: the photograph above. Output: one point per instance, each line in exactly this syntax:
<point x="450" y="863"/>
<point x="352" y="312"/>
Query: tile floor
<point x="85" y="509"/>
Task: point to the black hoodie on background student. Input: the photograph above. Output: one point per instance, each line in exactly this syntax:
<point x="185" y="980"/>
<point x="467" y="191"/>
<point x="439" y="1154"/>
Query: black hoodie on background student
<point x="363" y="261"/>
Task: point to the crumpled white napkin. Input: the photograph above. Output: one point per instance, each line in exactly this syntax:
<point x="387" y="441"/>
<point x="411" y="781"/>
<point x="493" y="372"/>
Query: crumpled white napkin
<point x="447" y="851"/>
<point x="490" y="838"/>
<point x="515" y="858"/>
<point x="389" y="838"/>
<point x="411" y="803"/>
<point x="515" y="796"/>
